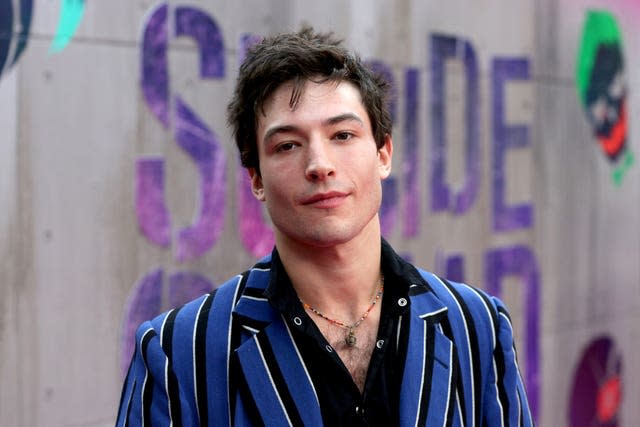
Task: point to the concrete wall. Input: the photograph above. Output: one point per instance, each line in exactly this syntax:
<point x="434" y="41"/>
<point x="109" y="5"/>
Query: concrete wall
<point x="106" y="219"/>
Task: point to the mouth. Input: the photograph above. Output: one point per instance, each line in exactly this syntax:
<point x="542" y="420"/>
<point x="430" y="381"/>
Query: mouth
<point x="325" y="200"/>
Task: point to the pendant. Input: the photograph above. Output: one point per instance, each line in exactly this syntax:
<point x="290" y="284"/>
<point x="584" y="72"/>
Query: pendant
<point x="350" y="339"/>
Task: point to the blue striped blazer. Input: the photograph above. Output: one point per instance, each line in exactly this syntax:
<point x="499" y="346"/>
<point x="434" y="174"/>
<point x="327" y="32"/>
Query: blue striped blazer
<point x="460" y="367"/>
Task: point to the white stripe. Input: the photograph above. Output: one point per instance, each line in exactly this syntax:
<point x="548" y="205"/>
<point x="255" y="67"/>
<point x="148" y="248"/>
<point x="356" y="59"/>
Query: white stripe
<point x="506" y="318"/>
<point x="235" y="295"/>
<point x="166" y="390"/>
<point x="495" y="374"/>
<point x="515" y="364"/>
<point x="459" y="409"/>
<point x="398" y="332"/>
<point x="433" y="313"/>
<point x="193" y="354"/>
<point x="163" y="323"/>
<point x="493" y="327"/>
<point x="424" y="359"/>
<point x="466" y="331"/>
<point x="250" y="329"/>
<point x="528" y="414"/>
<point x="253" y="298"/>
<point x="519" y="407"/>
<point x="266" y="368"/>
<point x="446" y="409"/>
<point x="301" y="360"/>
<point x="166" y="369"/>
<point x="144" y="384"/>
<point x="146" y="375"/>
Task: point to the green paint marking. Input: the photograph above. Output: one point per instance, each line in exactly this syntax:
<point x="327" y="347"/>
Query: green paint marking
<point x="600" y="27"/>
<point x="71" y="12"/>
<point x="619" y="172"/>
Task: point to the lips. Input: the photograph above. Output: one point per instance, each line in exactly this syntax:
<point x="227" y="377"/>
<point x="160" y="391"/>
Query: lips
<point x="325" y="200"/>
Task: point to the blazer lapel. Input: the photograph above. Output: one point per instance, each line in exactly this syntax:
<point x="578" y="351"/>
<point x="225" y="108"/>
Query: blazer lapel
<point x="276" y="375"/>
<point x="428" y="379"/>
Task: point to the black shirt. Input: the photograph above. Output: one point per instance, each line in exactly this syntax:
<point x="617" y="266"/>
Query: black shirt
<point x="341" y="402"/>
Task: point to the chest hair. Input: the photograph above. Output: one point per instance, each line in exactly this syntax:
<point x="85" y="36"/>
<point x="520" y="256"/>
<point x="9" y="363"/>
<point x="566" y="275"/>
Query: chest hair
<point x="356" y="358"/>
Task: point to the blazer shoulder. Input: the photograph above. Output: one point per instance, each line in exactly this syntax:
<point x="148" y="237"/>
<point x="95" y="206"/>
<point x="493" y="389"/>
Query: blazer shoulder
<point x="464" y="292"/>
<point x="187" y="314"/>
<point x="222" y="298"/>
<point x="467" y="303"/>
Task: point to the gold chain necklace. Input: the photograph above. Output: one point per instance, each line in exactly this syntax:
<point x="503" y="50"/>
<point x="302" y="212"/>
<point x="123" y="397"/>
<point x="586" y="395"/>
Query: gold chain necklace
<point x="350" y="339"/>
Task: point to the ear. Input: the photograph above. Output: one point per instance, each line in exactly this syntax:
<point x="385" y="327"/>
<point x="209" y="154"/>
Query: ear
<point x="256" y="184"/>
<point x="385" y="154"/>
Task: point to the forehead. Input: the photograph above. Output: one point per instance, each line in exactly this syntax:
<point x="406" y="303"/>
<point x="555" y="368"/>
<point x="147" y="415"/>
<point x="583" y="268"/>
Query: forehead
<point x="310" y="100"/>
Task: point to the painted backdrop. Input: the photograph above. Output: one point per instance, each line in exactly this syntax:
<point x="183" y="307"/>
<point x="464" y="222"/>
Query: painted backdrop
<point x="122" y="194"/>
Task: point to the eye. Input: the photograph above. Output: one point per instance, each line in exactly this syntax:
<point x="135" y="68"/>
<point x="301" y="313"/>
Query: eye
<point x="285" y="146"/>
<point x="343" y="136"/>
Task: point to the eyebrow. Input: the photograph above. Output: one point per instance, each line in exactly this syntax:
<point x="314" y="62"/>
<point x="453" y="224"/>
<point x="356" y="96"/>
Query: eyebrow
<point x="328" y="122"/>
<point x="343" y="118"/>
<point x="278" y="129"/>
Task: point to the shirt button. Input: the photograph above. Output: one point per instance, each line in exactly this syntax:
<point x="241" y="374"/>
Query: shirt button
<point x="297" y="321"/>
<point x="329" y="349"/>
<point x="360" y="410"/>
<point x="402" y="302"/>
<point x="380" y="343"/>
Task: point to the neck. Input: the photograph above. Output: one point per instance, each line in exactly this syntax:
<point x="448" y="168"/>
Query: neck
<point x="338" y="280"/>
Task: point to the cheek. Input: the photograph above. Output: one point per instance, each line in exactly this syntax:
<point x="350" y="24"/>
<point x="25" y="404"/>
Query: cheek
<point x="275" y="189"/>
<point x="372" y="183"/>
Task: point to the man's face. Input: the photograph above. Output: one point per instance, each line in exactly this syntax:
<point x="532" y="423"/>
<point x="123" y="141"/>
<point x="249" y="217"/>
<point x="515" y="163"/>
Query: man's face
<point x="320" y="169"/>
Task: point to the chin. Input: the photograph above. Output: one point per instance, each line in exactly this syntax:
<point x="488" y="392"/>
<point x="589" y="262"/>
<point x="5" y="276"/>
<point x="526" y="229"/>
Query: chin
<point x="319" y="237"/>
<point x="326" y="233"/>
<point x="324" y="240"/>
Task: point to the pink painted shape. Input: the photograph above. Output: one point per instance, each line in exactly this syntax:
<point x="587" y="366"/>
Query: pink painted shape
<point x="144" y="303"/>
<point x="152" y="213"/>
<point x="195" y="138"/>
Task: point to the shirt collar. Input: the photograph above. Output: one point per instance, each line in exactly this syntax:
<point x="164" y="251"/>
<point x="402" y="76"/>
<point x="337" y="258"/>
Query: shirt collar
<point x="399" y="275"/>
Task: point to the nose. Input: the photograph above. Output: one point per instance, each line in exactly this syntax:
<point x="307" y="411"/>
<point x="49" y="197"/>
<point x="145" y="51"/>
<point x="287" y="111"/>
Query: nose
<point x="319" y="162"/>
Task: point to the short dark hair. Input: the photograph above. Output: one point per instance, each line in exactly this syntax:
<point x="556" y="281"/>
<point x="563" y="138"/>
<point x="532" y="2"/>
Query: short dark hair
<point x="300" y="57"/>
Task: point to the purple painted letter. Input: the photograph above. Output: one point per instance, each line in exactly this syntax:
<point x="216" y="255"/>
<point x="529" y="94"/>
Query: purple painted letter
<point x="520" y="261"/>
<point x="505" y="217"/>
<point x="442" y="197"/>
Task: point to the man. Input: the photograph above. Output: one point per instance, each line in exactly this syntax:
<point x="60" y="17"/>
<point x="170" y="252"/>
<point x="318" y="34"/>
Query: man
<point x="333" y="328"/>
